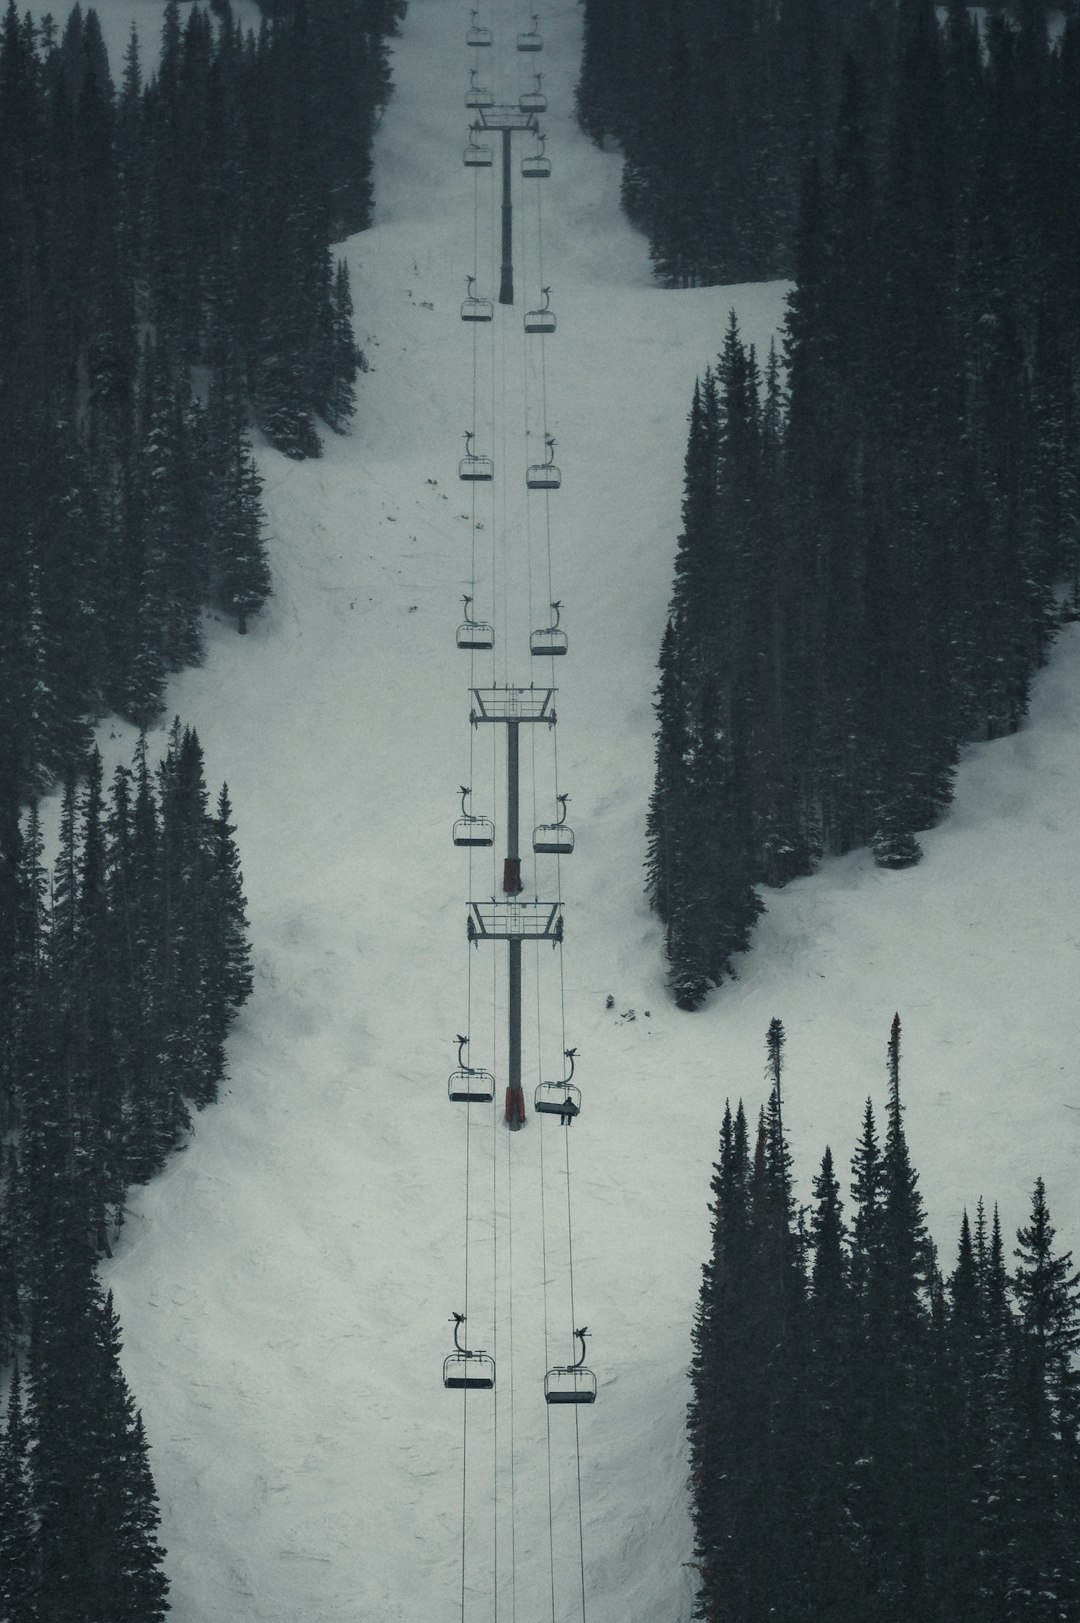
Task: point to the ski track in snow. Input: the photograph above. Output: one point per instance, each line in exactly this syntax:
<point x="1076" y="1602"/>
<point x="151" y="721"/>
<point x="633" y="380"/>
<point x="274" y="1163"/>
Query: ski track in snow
<point x="285" y="1285"/>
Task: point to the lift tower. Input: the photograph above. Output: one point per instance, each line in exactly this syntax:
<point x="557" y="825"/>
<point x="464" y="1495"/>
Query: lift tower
<point x="513" y="920"/>
<point x="507" y="118"/>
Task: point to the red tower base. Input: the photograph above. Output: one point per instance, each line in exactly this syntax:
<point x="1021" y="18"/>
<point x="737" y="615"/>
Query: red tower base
<point x="515" y="1109"/>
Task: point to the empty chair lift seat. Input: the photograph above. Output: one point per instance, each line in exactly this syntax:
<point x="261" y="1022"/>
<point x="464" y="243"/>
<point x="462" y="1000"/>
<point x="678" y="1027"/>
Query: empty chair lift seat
<point x="472" y="467"/>
<point x="541" y="320"/>
<point x="533" y="101"/>
<point x="544" y="475"/>
<point x="530" y="39"/>
<point x="571" y="1383"/>
<point x="474" y="831"/>
<point x="549" y="641"/>
<point x="535" y="165"/>
<point x="474" y="309"/>
<point x="474" y="634"/>
<point x="478" y="96"/>
<point x="478" y="155"/>
<point x="469" y="1371"/>
<point x="471" y="1085"/>
<point x="464" y="1369"/>
<point x="478" y="37"/>
<point x="554" y="839"/>
<point x="471" y="830"/>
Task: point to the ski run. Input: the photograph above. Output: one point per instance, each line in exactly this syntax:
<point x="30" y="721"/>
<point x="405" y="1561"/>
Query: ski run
<point x="285" y="1286"/>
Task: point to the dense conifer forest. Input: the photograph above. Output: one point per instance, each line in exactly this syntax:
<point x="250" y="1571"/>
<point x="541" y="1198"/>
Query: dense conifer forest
<point x="169" y="287"/>
<point x="122" y="965"/>
<point x="881" y="526"/>
<point x="873" y="1438"/>
<point x="170" y="282"/>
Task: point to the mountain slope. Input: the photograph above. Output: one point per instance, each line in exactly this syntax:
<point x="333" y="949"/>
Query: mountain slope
<point x="285" y="1286"/>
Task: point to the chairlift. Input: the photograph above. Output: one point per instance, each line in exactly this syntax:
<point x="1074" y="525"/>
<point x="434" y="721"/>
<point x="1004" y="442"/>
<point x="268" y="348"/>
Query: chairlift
<point x="478" y="96"/>
<point x="469" y="829"/>
<point x="473" y="467"/>
<point x="542" y="320"/>
<point x="533" y="101"/>
<point x="469" y="1084"/>
<point x="477" y="155"/>
<point x="478" y="36"/>
<point x="530" y="40"/>
<point x="544" y="475"/>
<point x="474" y="309"/>
<point x="554" y="839"/>
<point x="464" y="1370"/>
<point x="534" y="165"/>
<point x="549" y="641"/>
<point x="474" y="634"/>
<point x="559" y="1098"/>
<point x="571" y="1383"/>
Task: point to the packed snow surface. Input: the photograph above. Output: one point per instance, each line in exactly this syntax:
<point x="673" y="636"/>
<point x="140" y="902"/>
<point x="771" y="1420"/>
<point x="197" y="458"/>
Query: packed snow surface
<point x="286" y="1285"/>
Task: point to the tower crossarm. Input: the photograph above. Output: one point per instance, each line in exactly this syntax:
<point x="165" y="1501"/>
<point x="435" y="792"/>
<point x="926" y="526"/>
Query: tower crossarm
<point x="513" y="704"/>
<point x="507" y="116"/>
<point x="515" y="921"/>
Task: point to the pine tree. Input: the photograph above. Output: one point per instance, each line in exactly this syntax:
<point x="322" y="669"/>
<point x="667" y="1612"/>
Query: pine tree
<point x="18" y="1534"/>
<point x="1046" y="1569"/>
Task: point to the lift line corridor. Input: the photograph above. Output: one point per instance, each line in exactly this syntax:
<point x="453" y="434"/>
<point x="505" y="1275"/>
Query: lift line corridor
<point x="510" y="554"/>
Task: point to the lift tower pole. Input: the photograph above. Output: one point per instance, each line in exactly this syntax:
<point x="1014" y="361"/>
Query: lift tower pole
<point x="515" y="1098"/>
<point x="506" y="277"/>
<point x="514" y="920"/>
<point x="507" y="119"/>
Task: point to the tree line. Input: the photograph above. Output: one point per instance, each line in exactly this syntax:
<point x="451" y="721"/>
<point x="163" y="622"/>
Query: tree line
<point x="169" y="281"/>
<point x="881" y="525"/>
<point x="872" y="1440"/>
<point x="122" y="966"/>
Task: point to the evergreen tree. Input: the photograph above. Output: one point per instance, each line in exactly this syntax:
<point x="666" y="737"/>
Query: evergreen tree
<point x="18" y="1534"/>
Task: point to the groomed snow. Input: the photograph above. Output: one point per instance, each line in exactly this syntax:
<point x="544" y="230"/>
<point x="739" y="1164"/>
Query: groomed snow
<point x="285" y="1286"/>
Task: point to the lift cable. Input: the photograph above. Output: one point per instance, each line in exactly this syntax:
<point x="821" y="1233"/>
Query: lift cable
<point x="510" y="1296"/>
<point x="464" y="1500"/>
<point x="573" y="1321"/>
<point x="495" y="1298"/>
<point x="547" y="1359"/>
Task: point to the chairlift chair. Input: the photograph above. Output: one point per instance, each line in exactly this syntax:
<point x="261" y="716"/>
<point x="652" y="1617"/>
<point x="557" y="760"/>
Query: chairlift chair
<point x="549" y="641"/>
<point x="554" y="839"/>
<point x="469" y="1084"/>
<point x="472" y="467"/>
<point x="542" y="320"/>
<point x="474" y="634"/>
<point x="478" y="96"/>
<point x="534" y="165"/>
<point x="533" y="101"/>
<point x="477" y="155"/>
<point x="478" y="37"/>
<point x="544" y="475"/>
<point x="474" y="309"/>
<point x="560" y="1099"/>
<point x="464" y="1370"/>
<point x="571" y="1383"/>
<point x="531" y="40"/>
<point x="470" y="829"/>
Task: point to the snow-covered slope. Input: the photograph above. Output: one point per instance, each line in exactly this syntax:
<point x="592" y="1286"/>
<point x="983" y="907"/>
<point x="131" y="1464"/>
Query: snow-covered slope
<point x="285" y="1285"/>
